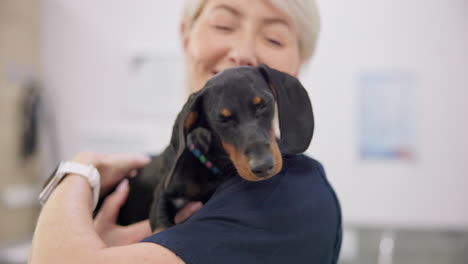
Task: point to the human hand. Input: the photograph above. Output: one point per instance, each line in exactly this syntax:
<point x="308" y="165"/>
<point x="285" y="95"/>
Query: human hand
<point x="183" y="214"/>
<point x="116" y="235"/>
<point x="187" y="211"/>
<point x="112" y="167"/>
<point x="105" y="221"/>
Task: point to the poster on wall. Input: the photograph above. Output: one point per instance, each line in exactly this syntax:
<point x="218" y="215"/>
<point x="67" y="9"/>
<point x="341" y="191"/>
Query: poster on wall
<point x="387" y="112"/>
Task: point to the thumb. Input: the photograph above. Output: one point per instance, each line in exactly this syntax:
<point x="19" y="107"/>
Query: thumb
<point x="136" y="232"/>
<point x="187" y="211"/>
<point x="114" y="167"/>
<point x="123" y="163"/>
<point x="112" y="204"/>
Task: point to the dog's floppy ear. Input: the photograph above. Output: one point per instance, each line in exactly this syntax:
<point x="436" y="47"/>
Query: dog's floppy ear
<point x="186" y="121"/>
<point x="296" y="119"/>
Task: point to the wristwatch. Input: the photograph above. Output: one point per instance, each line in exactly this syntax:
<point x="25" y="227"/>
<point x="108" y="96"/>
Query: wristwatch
<point x="68" y="167"/>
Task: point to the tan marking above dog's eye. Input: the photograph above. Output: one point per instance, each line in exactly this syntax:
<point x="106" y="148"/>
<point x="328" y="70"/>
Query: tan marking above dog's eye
<point x="256" y="100"/>
<point x="191" y="118"/>
<point x="225" y="112"/>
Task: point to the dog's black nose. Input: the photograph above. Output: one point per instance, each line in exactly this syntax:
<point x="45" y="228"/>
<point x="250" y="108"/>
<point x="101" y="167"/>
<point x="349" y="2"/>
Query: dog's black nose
<point x="262" y="166"/>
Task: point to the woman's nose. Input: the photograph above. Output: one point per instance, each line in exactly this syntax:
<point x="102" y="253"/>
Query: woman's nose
<point x="243" y="53"/>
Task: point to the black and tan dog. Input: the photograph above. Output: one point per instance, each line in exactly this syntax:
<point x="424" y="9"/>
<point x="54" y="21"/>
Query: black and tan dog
<point x="226" y="127"/>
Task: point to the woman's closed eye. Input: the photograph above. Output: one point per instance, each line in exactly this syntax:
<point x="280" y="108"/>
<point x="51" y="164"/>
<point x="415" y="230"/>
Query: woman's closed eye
<point x="274" y="42"/>
<point x="277" y="34"/>
<point x="226" y="28"/>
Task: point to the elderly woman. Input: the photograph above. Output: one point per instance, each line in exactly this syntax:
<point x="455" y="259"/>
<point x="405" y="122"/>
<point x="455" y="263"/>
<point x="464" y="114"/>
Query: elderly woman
<point x="297" y="217"/>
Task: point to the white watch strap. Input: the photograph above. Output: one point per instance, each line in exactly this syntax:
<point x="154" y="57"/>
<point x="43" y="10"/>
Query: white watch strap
<point x="87" y="171"/>
<point x="68" y="167"/>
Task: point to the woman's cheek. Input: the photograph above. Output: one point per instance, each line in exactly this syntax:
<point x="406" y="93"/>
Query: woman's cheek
<point x="208" y="46"/>
<point x="291" y="64"/>
<point x="285" y="61"/>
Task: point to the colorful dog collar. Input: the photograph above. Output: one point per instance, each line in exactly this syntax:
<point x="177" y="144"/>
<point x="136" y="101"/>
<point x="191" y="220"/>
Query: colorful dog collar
<point x="202" y="158"/>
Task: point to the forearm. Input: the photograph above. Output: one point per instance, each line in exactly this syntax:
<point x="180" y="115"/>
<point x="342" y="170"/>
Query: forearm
<point x="65" y="230"/>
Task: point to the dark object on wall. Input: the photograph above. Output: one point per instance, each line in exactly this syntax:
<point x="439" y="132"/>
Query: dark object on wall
<point x="30" y="103"/>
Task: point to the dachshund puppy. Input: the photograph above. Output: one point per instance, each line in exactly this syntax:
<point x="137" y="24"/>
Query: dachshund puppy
<point x="224" y="130"/>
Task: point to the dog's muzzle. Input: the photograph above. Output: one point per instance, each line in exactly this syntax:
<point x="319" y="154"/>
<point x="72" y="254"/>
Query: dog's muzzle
<point x="260" y="160"/>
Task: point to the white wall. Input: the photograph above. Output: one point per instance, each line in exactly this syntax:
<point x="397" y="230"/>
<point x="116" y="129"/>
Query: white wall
<point x="86" y="50"/>
<point x="431" y="39"/>
<point x="87" y="45"/>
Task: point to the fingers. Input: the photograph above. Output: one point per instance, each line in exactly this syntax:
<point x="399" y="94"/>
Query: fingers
<point x="119" y="161"/>
<point x="113" y="167"/>
<point x="124" y="163"/>
<point x="139" y="230"/>
<point x="187" y="211"/>
<point x="110" y="208"/>
<point x="87" y="157"/>
<point x="115" y="235"/>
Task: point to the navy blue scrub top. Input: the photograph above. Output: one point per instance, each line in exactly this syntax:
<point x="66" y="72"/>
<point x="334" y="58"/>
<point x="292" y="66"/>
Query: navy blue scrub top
<point x="293" y="217"/>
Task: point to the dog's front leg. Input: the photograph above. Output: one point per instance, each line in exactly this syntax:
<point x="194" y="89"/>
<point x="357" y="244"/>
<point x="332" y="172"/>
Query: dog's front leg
<point x="162" y="212"/>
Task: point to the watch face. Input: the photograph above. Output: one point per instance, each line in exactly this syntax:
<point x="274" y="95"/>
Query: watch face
<point x="52" y="175"/>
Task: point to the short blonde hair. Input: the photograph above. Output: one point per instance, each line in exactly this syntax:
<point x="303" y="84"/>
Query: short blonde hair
<point x="304" y="14"/>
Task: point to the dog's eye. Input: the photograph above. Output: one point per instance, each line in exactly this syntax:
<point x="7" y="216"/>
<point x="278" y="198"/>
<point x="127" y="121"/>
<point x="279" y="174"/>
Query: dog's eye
<point x="261" y="107"/>
<point x="225" y="119"/>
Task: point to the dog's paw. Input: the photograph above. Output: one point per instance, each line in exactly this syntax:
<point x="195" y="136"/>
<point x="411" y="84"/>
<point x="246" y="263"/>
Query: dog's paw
<point x="201" y="138"/>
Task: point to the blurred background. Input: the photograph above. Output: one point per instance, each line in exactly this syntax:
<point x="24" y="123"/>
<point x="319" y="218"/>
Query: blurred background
<point x="388" y="83"/>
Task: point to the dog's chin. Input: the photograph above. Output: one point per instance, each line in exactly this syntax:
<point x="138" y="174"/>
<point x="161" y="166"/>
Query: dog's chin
<point x="250" y="176"/>
<point x="240" y="162"/>
<point x="255" y="178"/>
